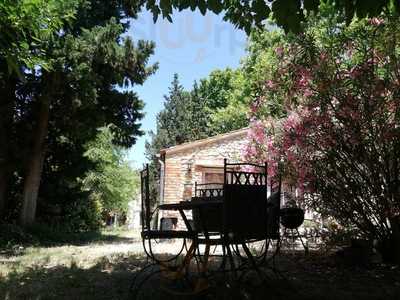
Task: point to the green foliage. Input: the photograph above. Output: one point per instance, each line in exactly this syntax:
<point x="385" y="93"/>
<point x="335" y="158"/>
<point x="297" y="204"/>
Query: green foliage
<point x="81" y="66"/>
<point x="84" y="214"/>
<point x="11" y="235"/>
<point x="288" y="14"/>
<point x="339" y="86"/>
<point x="227" y="97"/>
<point x="180" y="120"/>
<point x="112" y="183"/>
<point x="27" y="26"/>
<point x="261" y="65"/>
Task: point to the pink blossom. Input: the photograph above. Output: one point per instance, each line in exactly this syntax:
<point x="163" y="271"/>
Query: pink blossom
<point x="376" y="21"/>
<point x="257" y="132"/>
<point x="291" y="121"/>
<point x="272" y="168"/>
<point x="279" y="51"/>
<point x="307" y="92"/>
<point x="251" y="150"/>
<point x="270" y="84"/>
<point x="305" y="77"/>
<point x="354" y="72"/>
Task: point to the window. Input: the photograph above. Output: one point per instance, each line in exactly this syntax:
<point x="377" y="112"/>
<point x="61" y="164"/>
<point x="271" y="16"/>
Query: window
<point x="213" y="177"/>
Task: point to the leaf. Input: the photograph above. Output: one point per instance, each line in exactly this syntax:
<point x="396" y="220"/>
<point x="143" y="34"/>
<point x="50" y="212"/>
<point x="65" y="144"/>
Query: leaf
<point x="288" y="14"/>
<point x="215" y="6"/>
<point x="261" y="16"/>
<point x="184" y="4"/>
<point x="202" y="6"/>
<point x="13" y="67"/>
<point x="166" y="7"/>
<point x="193" y="4"/>
<point x="156" y="12"/>
<point x="150" y="4"/>
<point x="259" y="6"/>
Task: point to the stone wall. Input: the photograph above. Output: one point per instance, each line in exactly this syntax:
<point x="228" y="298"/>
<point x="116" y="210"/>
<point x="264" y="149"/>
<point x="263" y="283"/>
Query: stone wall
<point x="185" y="167"/>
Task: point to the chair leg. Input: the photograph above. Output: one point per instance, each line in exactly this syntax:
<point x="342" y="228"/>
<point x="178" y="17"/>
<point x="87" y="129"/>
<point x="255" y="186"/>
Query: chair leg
<point x="223" y="263"/>
<point x="231" y="260"/>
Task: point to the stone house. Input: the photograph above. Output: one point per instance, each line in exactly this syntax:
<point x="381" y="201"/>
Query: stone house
<point x="200" y="161"/>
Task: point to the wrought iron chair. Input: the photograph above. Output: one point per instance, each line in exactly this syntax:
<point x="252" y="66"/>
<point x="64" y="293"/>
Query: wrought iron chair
<point x="208" y="220"/>
<point x="249" y="215"/>
<point x="148" y="233"/>
<point x="213" y="222"/>
<point x="209" y="190"/>
<point x="151" y="236"/>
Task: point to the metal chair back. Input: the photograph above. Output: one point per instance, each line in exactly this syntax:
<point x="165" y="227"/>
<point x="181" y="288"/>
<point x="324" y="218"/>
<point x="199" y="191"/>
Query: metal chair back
<point x="145" y="198"/>
<point x="208" y="192"/>
<point x="245" y="201"/>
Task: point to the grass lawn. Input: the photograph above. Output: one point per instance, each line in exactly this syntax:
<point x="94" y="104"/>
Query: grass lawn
<point x="102" y="267"/>
<point x="96" y="267"/>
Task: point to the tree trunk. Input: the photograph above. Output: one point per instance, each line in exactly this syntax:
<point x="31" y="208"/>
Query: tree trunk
<point x="115" y="220"/>
<point x="4" y="174"/>
<point x="7" y="103"/>
<point x="35" y="165"/>
<point x="3" y="192"/>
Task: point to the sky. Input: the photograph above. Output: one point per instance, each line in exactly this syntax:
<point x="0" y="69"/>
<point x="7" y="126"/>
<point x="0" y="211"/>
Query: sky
<point x="192" y="46"/>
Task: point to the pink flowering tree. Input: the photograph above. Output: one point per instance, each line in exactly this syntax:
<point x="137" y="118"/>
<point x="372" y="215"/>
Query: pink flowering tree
<point x="340" y="134"/>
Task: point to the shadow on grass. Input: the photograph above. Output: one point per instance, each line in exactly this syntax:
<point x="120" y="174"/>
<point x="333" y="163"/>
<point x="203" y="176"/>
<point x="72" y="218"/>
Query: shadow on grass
<point x="105" y="280"/>
<point x="111" y="279"/>
<point x="47" y="236"/>
<point x="85" y="238"/>
<point x="13" y="240"/>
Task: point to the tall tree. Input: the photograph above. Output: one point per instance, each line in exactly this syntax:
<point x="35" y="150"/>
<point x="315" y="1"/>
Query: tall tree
<point x="182" y="119"/>
<point x="97" y="62"/>
<point x="112" y="182"/>
<point x="86" y="60"/>
<point x="226" y="95"/>
<point x="26" y="27"/>
<point x="174" y="121"/>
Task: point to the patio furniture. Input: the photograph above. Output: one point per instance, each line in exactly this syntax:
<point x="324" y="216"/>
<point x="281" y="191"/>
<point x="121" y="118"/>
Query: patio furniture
<point x="148" y="233"/>
<point x="250" y="217"/>
<point x="152" y="236"/>
<point x="213" y="221"/>
<point x="209" y="190"/>
<point x="234" y="215"/>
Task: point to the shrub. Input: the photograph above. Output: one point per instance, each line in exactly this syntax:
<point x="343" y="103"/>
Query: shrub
<point x="341" y="137"/>
<point x="83" y="215"/>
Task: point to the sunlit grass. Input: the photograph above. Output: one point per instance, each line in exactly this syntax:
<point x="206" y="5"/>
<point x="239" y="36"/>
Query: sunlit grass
<point x="74" y="270"/>
<point x="83" y="255"/>
<point x="103" y="267"/>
